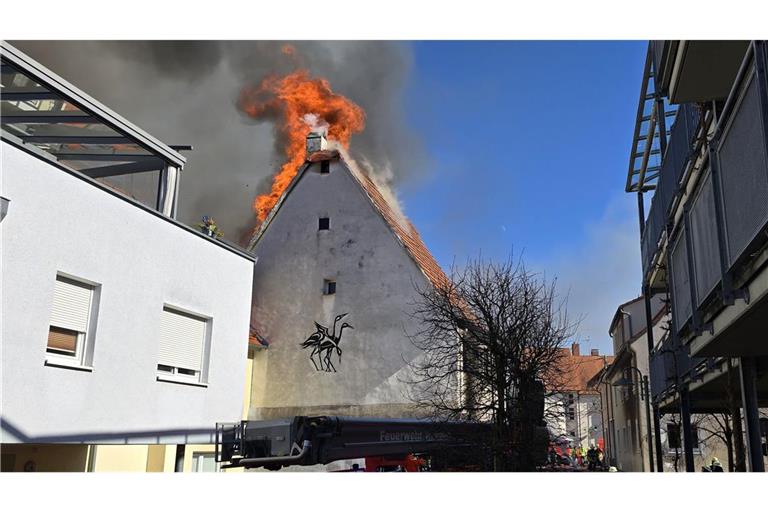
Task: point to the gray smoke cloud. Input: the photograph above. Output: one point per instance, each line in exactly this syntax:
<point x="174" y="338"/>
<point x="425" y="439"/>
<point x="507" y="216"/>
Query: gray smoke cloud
<point x="185" y="92"/>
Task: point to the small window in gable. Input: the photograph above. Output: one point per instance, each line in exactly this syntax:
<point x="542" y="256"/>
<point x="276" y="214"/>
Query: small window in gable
<point x="329" y="287"/>
<point x="325" y="167"/>
<point x="324" y="224"/>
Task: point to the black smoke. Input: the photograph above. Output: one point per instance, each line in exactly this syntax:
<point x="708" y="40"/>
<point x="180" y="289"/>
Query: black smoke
<point x="185" y="92"/>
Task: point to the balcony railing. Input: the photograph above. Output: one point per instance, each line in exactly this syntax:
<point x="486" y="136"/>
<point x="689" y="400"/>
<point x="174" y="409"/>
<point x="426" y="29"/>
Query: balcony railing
<point x="673" y="165"/>
<point x="669" y="364"/>
<point x="727" y="216"/>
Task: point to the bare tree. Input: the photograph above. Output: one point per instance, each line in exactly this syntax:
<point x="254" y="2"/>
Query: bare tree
<point x="492" y="339"/>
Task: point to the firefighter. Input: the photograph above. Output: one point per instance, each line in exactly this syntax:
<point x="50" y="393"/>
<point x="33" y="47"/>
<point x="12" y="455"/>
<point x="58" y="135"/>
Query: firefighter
<point x="592" y="458"/>
<point x="579" y="456"/>
<point x="715" y="465"/>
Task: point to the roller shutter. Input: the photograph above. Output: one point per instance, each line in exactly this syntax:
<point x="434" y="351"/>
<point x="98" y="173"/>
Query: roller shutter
<point x="182" y="337"/>
<point x="71" y="305"/>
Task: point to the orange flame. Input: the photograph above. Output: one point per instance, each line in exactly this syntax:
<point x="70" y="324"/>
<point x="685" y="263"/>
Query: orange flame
<point x="289" y="100"/>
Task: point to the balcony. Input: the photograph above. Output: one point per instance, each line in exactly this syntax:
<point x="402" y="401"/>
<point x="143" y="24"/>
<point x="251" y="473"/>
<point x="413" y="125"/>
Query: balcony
<point x="696" y="71"/>
<point x="725" y="220"/>
<point x="673" y="166"/>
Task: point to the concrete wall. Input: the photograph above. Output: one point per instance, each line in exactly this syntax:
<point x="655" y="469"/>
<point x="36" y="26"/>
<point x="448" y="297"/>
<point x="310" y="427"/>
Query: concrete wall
<point x="59" y="223"/>
<point x="375" y="284"/>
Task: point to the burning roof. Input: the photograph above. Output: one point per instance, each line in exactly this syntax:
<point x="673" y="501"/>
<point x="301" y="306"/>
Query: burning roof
<point x="401" y="227"/>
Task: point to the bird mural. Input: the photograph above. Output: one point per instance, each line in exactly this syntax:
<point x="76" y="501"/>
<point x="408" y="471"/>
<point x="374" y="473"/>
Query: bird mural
<point x="324" y="343"/>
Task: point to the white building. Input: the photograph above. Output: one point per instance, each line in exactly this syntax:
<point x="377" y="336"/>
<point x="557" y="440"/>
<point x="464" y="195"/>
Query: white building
<point x="573" y="412"/>
<point x="334" y="245"/>
<point x="120" y="325"/>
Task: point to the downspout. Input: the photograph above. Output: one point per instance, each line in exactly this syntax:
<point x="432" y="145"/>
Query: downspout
<point x="603" y="409"/>
<point x="611" y="434"/>
<point x="638" y="410"/>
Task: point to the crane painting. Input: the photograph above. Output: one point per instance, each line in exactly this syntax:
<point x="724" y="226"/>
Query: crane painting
<point x="324" y="343"/>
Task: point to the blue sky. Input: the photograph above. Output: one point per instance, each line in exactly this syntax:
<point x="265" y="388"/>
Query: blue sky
<point x="528" y="145"/>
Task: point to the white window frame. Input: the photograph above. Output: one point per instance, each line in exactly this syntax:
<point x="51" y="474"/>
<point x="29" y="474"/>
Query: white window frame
<point x="198" y="457"/>
<point x="81" y="359"/>
<point x="200" y="377"/>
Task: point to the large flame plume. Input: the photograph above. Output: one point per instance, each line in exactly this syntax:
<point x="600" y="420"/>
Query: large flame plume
<point x="298" y="104"/>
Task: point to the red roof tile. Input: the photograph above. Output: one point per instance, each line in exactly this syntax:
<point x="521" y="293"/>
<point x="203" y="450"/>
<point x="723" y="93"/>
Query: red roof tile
<point x="576" y="371"/>
<point x="407" y="234"/>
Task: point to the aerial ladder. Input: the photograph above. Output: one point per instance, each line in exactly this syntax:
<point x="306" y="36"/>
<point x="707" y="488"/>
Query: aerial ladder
<point x="310" y="440"/>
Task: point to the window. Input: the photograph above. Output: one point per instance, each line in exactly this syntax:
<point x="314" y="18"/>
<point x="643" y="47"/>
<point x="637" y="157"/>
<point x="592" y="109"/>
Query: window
<point x="571" y="413"/>
<point x="72" y="316"/>
<point x="183" y="346"/>
<point x="324" y="224"/>
<point x="329" y="287"/>
<point x="204" y="462"/>
<point x="325" y="167"/>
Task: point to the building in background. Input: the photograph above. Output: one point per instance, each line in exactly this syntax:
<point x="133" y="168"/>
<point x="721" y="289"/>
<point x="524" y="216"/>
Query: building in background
<point x="574" y="410"/>
<point x="622" y="385"/>
<point x="700" y="148"/>
<point x="124" y="332"/>
<point x="338" y="266"/>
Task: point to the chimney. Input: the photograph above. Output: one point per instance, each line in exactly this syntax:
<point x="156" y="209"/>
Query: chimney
<point x="316" y="142"/>
<point x="595" y="352"/>
<point x="575" y="349"/>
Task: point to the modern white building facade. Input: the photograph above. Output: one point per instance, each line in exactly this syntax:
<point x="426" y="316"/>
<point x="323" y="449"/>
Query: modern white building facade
<point x="120" y="325"/>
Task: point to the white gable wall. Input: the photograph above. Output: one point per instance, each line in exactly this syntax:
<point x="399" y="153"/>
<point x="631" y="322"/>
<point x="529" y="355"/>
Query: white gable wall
<point x="375" y="283"/>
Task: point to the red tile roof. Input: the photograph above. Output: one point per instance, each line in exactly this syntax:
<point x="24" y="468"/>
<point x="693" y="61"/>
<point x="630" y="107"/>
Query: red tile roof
<point x="576" y="371"/>
<point x="406" y="233"/>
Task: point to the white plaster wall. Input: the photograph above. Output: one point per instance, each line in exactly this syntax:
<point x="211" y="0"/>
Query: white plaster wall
<point x="57" y="222"/>
<point x="375" y="285"/>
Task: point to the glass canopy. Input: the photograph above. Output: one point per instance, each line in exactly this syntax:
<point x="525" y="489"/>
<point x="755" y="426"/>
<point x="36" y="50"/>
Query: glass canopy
<point x="40" y="109"/>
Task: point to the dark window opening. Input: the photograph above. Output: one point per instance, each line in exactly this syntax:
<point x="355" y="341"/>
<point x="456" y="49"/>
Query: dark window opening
<point x="325" y="167"/>
<point x="673" y="435"/>
<point x="325" y="223"/>
<point x="329" y="288"/>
